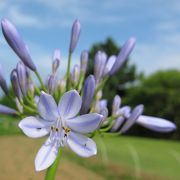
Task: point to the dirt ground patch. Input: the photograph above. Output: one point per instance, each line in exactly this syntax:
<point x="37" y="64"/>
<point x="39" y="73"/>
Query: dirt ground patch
<point x="17" y="162"/>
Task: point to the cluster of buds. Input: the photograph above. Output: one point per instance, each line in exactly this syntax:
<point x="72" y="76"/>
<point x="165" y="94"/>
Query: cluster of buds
<point x="80" y="110"/>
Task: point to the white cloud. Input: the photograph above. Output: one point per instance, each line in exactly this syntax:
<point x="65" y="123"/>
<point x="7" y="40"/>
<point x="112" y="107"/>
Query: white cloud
<point x="22" y="19"/>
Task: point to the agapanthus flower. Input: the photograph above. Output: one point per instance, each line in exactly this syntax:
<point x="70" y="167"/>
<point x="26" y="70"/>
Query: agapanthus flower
<point x="63" y="126"/>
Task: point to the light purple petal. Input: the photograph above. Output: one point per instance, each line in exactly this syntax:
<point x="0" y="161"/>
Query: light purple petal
<point x="123" y="54"/>
<point x="16" y="43"/>
<point x="69" y="104"/>
<point x="35" y="127"/>
<point x="81" y="145"/>
<point x="156" y="124"/>
<point x="85" y="123"/>
<point x="6" y="110"/>
<point x="137" y="111"/>
<point x="47" y="107"/>
<point x="46" y="155"/>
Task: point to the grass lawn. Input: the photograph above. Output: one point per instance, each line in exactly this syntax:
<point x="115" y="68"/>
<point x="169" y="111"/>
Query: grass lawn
<point x="118" y="158"/>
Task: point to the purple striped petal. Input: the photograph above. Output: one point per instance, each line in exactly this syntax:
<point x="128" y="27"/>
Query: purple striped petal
<point x="137" y="111"/>
<point x="35" y="127"/>
<point x="46" y="155"/>
<point x="69" y="104"/>
<point x="81" y="145"/>
<point x="76" y="28"/>
<point x="47" y="107"/>
<point x="16" y="43"/>
<point x="156" y="124"/>
<point x="85" y="123"/>
<point x="123" y="54"/>
<point x="88" y="93"/>
<point x="6" y="110"/>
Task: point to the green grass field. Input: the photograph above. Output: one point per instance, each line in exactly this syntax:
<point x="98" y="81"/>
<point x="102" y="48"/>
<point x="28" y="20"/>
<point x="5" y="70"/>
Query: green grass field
<point x="118" y="158"/>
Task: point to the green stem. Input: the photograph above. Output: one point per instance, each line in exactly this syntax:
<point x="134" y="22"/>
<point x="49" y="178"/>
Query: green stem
<point x="40" y="80"/>
<point x="68" y="72"/>
<point x="51" y="171"/>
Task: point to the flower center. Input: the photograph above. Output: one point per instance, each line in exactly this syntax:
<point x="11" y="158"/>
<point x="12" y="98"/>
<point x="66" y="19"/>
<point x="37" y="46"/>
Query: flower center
<point x="59" y="133"/>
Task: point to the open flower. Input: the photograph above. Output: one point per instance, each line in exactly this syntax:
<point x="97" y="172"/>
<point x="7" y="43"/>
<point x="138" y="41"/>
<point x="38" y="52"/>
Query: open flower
<point x="62" y="125"/>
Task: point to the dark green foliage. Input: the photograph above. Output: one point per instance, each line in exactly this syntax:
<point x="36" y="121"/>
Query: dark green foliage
<point x="127" y="72"/>
<point x="160" y="94"/>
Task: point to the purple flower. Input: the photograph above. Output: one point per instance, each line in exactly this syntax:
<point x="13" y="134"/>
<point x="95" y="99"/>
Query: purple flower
<point x="156" y="124"/>
<point x="84" y="61"/>
<point x="64" y="127"/>
<point x="88" y="93"/>
<point x="76" y="28"/>
<point x="123" y="54"/>
<point x="3" y="82"/>
<point x="16" y="43"/>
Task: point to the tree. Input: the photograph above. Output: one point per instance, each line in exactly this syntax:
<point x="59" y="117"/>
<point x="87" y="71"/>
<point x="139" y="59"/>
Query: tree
<point x="160" y="94"/>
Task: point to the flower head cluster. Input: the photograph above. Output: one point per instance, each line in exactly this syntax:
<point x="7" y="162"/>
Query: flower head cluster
<point x="80" y="110"/>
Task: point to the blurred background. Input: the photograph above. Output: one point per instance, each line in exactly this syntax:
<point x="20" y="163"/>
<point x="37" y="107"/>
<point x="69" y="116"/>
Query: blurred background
<point x="151" y="76"/>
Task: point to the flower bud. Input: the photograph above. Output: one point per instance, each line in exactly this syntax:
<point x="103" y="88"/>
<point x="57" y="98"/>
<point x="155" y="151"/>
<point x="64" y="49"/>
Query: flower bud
<point x="84" y="61"/>
<point x="123" y="54"/>
<point x="51" y="84"/>
<point x="99" y="65"/>
<point x="76" y="28"/>
<point x="116" y="104"/>
<point x="75" y="75"/>
<point x="109" y="65"/>
<point x="15" y="84"/>
<point x="22" y="77"/>
<point x="14" y="40"/>
<point x="137" y="111"/>
<point x="56" y="60"/>
<point x="88" y="93"/>
<point x="3" y="82"/>
<point x="6" y="110"/>
<point x="18" y="105"/>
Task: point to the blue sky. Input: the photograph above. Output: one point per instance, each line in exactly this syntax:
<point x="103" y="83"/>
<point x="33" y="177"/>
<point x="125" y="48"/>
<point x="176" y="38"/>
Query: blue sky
<point x="46" y="25"/>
